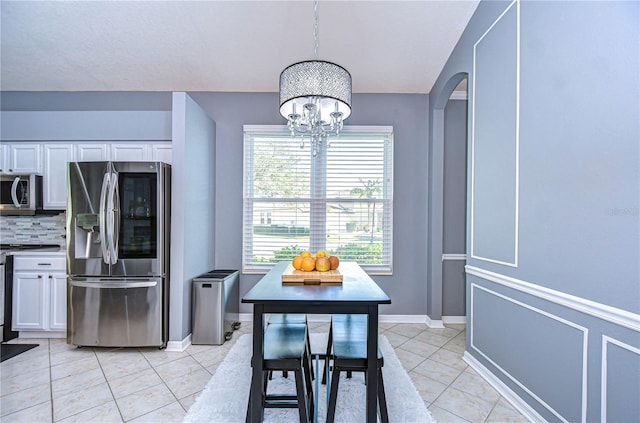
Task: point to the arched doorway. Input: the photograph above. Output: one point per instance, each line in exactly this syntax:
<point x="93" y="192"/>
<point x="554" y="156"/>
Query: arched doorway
<point x="436" y="289"/>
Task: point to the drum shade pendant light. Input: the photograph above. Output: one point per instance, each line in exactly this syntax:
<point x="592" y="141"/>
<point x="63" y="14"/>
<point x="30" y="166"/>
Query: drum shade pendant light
<point x="315" y="97"/>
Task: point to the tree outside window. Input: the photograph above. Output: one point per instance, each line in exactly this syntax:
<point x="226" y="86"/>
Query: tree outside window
<point x="340" y="201"/>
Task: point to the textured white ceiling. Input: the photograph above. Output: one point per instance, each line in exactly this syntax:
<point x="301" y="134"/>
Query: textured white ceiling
<point x="237" y="46"/>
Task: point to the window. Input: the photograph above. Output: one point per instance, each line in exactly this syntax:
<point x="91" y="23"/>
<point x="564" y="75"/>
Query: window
<point x="340" y="201"/>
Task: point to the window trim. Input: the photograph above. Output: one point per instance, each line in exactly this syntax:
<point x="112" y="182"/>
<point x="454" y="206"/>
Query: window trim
<point x="357" y="129"/>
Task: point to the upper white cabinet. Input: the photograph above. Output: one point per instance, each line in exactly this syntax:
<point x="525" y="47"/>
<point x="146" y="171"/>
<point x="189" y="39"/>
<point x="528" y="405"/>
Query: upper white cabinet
<point x="22" y="158"/>
<point x="32" y="143"/>
<point x="56" y="157"/>
<point x="161" y="152"/>
<point x="4" y="153"/>
<point x="92" y="152"/>
<point x="130" y="152"/>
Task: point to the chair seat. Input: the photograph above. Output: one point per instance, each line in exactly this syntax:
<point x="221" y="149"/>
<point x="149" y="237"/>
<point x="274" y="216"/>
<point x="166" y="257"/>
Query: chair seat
<point x="285" y="341"/>
<point x="349" y="333"/>
<point x="285" y="348"/>
<point x="287" y="318"/>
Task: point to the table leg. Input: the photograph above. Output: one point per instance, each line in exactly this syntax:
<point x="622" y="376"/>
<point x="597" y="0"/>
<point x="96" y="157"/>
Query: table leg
<point x="256" y="394"/>
<point x="372" y="364"/>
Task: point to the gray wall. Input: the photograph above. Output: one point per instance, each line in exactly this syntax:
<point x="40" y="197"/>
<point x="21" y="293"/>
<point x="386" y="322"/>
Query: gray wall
<point x="454" y="208"/>
<point x="406" y="113"/>
<point x="192" y="207"/>
<point x="553" y="282"/>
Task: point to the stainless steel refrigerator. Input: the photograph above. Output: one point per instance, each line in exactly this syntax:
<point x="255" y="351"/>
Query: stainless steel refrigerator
<point x="118" y="227"/>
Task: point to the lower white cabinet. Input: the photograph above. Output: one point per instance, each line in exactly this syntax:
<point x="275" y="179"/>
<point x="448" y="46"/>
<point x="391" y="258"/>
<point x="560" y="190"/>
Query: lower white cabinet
<point x="39" y="293"/>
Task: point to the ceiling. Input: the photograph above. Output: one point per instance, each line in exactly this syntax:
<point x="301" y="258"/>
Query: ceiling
<point x="235" y="46"/>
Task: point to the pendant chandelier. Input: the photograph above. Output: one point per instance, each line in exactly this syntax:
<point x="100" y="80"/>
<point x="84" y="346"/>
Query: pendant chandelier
<point x="315" y="97"/>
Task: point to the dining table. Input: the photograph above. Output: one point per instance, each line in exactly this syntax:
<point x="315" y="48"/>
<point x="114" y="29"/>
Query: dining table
<point x="357" y="294"/>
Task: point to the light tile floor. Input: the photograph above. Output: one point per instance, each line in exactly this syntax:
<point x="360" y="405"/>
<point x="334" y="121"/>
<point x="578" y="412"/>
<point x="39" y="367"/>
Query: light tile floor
<point x="56" y="382"/>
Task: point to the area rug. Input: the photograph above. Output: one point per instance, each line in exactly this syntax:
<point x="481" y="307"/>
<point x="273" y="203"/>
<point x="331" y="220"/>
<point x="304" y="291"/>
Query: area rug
<point x="8" y="351"/>
<point x="224" y="399"/>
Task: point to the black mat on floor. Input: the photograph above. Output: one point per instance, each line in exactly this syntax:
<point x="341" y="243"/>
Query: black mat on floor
<point x="8" y="351"/>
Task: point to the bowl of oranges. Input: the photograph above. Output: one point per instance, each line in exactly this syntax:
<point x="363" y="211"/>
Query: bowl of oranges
<point x="318" y="262"/>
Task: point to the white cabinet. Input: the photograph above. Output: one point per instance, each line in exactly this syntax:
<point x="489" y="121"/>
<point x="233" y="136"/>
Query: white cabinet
<point x="39" y="293"/>
<point x="22" y="158"/>
<point x="50" y="159"/>
<point x="161" y="152"/>
<point x="29" y="306"/>
<point x="58" y="310"/>
<point x="56" y="157"/>
<point x="92" y="152"/>
<point x="130" y="152"/>
<point x="4" y="154"/>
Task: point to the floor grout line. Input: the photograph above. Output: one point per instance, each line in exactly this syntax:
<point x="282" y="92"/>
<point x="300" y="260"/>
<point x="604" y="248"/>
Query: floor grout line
<point x="401" y="333"/>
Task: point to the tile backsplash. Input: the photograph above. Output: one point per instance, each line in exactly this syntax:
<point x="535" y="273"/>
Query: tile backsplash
<point x="39" y="229"/>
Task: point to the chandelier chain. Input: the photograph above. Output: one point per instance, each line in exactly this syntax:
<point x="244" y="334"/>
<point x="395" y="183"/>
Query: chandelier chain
<point x="315" y="97"/>
<point x="315" y="30"/>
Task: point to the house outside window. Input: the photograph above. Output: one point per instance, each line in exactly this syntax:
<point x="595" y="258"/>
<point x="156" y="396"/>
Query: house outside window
<point x="340" y="201"/>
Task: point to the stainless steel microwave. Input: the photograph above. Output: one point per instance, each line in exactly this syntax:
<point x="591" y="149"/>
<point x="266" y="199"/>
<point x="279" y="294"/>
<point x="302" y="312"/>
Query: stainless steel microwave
<point x="20" y="194"/>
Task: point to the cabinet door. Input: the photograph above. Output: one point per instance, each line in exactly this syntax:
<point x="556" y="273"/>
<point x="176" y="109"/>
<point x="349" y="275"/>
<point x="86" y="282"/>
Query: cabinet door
<point x="130" y="152"/>
<point x="161" y="152"/>
<point x="58" y="315"/>
<point x="23" y="158"/>
<point x="92" y="152"/>
<point x="29" y="307"/>
<point x="4" y="155"/>
<point x="56" y="157"/>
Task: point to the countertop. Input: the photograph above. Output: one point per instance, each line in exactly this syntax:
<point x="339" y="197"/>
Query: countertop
<point x="48" y="250"/>
<point x="52" y="251"/>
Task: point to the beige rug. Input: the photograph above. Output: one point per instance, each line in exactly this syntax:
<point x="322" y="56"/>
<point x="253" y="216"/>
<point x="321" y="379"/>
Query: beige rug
<point x="224" y="399"/>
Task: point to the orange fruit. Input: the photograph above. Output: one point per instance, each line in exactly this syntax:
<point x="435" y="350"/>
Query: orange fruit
<point x="297" y="262"/>
<point x="321" y="253"/>
<point x="305" y="254"/>
<point x="323" y="264"/>
<point x="334" y="261"/>
<point x="308" y="264"/>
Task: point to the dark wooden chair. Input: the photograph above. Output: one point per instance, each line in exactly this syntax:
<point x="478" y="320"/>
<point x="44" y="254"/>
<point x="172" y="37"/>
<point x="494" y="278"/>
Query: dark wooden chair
<point x="291" y="318"/>
<point x="347" y="350"/>
<point x="285" y="350"/>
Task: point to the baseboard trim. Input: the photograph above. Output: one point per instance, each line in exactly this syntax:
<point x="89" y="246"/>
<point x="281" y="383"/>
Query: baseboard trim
<point x="383" y="318"/>
<point x="403" y="318"/>
<point x="518" y="403"/>
<point x="434" y="324"/>
<point x="42" y="334"/>
<point x="454" y="320"/>
<point x="179" y="346"/>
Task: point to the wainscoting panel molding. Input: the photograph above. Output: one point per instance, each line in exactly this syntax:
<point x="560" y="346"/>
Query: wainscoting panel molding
<point x="495" y="141"/>
<point x="625" y="406"/>
<point x="601" y="311"/>
<point x="565" y="392"/>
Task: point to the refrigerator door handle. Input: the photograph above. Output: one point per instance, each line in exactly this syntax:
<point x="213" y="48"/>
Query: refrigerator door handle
<point x="114" y="219"/>
<point x="103" y="216"/>
<point x="113" y="284"/>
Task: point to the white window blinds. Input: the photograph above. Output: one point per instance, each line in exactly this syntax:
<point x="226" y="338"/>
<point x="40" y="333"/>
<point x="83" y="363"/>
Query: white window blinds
<point x="340" y="201"/>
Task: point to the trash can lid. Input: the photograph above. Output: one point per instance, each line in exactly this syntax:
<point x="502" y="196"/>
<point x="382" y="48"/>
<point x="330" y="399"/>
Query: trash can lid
<point x="216" y="274"/>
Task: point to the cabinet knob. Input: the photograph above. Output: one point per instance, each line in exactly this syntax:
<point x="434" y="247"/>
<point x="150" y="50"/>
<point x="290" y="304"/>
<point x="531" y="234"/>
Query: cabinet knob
<point x="50" y="277"/>
<point x="39" y="276"/>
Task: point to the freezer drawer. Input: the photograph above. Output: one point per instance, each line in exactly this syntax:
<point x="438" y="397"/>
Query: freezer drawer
<point x="215" y="307"/>
<point x="116" y="312"/>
